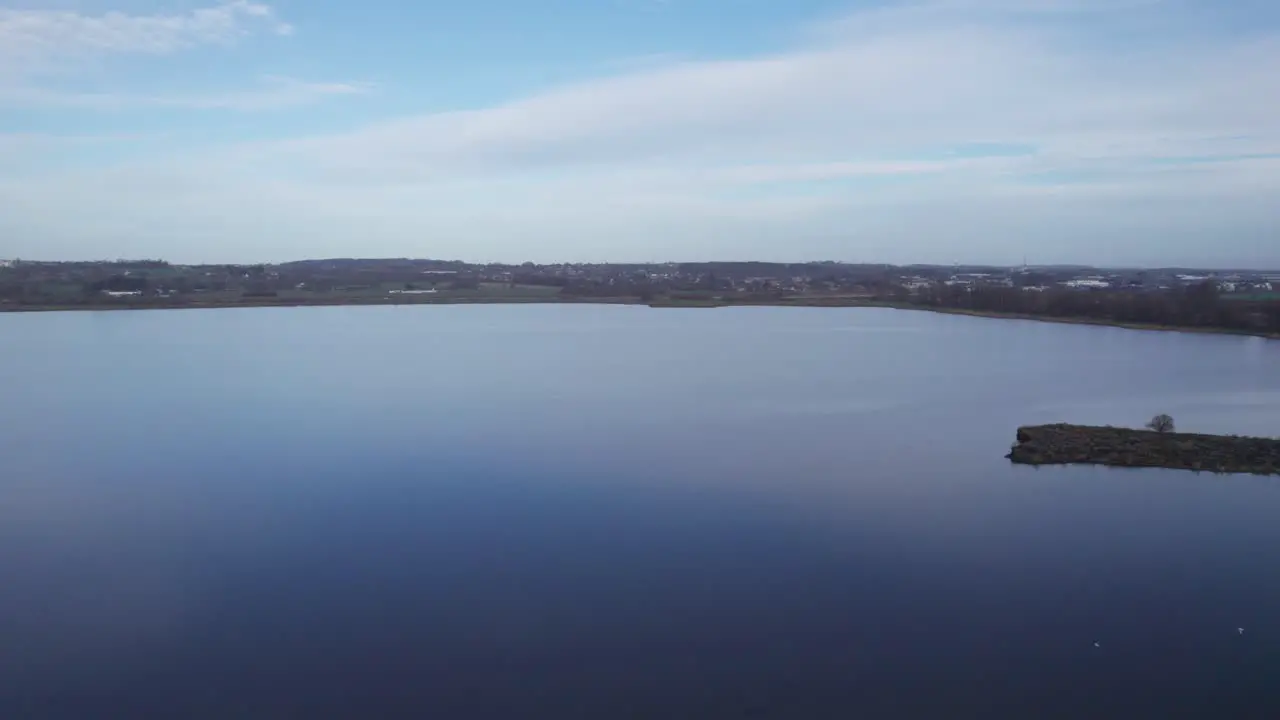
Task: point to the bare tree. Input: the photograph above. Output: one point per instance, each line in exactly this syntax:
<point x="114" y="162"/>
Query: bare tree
<point x="1161" y="423"/>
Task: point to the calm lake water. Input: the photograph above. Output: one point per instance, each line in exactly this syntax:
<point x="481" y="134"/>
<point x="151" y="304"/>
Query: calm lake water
<point x="619" y="512"/>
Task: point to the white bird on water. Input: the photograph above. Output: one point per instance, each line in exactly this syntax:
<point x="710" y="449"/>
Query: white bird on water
<point x="1240" y="630"/>
<point x="1097" y="644"/>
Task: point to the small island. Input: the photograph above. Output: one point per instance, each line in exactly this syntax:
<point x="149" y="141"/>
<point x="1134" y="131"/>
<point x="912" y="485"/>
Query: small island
<point x="1063" y="444"/>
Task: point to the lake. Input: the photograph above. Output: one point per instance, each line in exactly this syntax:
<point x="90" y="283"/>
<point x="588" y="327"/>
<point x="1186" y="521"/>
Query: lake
<point x="621" y="512"/>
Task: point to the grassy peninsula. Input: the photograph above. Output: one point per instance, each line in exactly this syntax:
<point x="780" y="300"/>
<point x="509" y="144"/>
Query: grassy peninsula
<point x="1063" y="444"/>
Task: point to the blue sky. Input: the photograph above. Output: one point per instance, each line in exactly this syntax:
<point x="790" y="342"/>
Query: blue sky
<point x="1136" y="132"/>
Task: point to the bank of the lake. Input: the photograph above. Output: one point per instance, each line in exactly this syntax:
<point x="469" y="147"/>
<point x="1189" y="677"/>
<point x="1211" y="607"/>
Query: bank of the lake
<point x="162" y="304"/>
<point x="1084" y="321"/>
<point x="826" y="301"/>
<point x="816" y="301"/>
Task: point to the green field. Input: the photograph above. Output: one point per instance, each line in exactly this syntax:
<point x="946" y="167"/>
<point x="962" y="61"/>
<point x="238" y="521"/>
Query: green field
<point x="385" y="291"/>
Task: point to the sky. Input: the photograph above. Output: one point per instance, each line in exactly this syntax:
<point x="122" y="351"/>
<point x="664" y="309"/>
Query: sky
<point x="1107" y="132"/>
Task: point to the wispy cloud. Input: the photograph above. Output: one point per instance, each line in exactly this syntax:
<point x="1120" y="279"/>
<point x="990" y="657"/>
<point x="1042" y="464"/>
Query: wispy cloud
<point x="30" y="142"/>
<point x="30" y="40"/>
<point x="1040" y="6"/>
<point x="44" y="52"/>
<point x="889" y="97"/>
<point x="271" y="93"/>
<point x="642" y="63"/>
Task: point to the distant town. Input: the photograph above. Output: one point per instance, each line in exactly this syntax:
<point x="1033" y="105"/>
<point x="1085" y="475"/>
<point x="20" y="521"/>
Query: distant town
<point x="1236" y="300"/>
<point x="54" y="282"/>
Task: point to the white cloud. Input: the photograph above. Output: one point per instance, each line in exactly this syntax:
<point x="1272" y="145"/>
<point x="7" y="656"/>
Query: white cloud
<point x="887" y="98"/>
<point x="36" y="146"/>
<point x="867" y="99"/>
<point x="1041" y="6"/>
<point x="273" y="92"/>
<point x="40" y="46"/>
<point x="867" y="143"/>
<point x="32" y="39"/>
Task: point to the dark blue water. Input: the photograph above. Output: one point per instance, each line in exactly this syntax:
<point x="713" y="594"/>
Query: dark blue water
<point x="616" y="512"/>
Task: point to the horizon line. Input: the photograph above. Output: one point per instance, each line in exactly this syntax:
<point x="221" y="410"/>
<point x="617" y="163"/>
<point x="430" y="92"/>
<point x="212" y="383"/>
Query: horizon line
<point x="126" y="261"/>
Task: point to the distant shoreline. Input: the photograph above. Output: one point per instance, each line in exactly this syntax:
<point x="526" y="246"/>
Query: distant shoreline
<point x="889" y="304"/>
<point x="665" y="303"/>
<point x="1090" y="321"/>
<point x="294" y="303"/>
